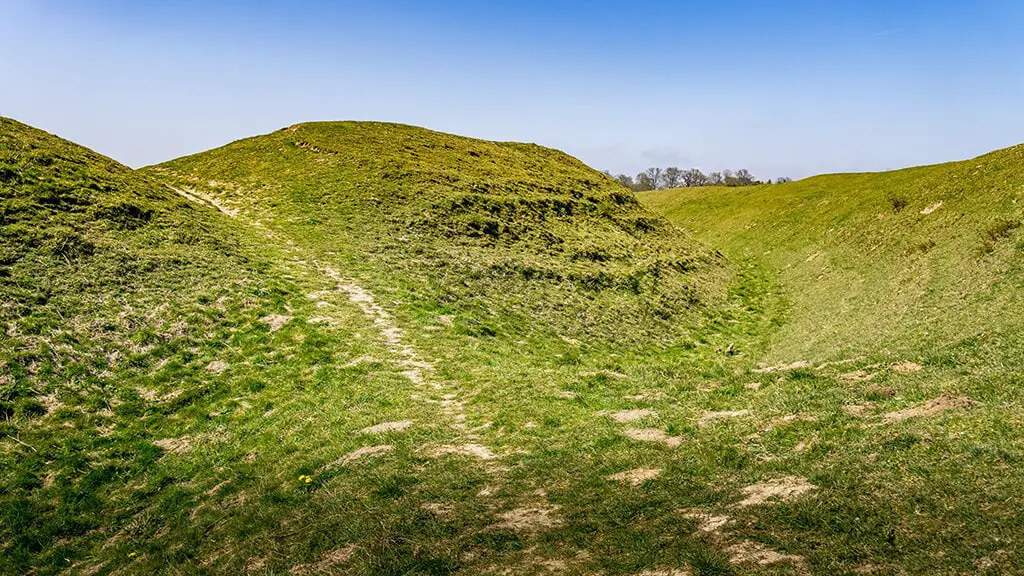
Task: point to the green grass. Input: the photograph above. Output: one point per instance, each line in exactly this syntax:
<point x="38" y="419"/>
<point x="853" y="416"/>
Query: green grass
<point x="545" y="297"/>
<point x="867" y="272"/>
<point x="923" y="264"/>
<point x="498" y="230"/>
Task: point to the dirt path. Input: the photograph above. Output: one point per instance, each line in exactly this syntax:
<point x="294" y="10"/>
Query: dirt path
<point x="416" y="369"/>
<point x="534" y="513"/>
<point x="197" y="197"/>
<point x="413" y="367"/>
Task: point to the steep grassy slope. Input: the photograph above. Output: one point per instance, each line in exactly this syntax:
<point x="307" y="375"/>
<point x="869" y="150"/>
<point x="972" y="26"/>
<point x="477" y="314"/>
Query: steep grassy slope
<point x="510" y="230"/>
<point x="924" y="259"/>
<point x="189" y="392"/>
<point x="152" y="408"/>
<point x="905" y="293"/>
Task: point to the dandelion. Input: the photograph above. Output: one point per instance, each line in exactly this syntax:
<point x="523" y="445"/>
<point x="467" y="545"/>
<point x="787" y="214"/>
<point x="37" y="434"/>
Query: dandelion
<point x="132" y="554"/>
<point x="304" y="478"/>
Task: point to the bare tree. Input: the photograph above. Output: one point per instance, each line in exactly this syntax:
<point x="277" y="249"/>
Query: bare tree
<point x="744" y="177"/>
<point x="625" y="180"/>
<point x="672" y="177"/>
<point x="644" y="181"/>
<point x="694" y="177"/>
<point x="783" y="180"/>
<point x="654" y="174"/>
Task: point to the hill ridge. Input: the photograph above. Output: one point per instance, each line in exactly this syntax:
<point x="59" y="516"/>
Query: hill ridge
<point x="500" y="212"/>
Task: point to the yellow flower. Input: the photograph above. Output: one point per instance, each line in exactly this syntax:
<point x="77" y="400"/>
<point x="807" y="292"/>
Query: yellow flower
<point x="308" y="479"/>
<point x="132" y="554"/>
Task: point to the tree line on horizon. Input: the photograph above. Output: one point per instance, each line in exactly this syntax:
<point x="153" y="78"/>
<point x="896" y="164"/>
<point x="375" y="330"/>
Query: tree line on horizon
<point x="655" y="178"/>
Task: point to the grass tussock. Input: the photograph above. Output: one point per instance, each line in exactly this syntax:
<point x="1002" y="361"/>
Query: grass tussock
<point x="999" y="230"/>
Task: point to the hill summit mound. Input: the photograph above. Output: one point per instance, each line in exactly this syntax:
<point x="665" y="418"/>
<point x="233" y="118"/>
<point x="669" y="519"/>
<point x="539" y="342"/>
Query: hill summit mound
<point x="505" y="229"/>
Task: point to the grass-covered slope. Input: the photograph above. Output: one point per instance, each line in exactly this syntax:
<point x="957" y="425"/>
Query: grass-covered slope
<point x="923" y="259"/>
<point x="161" y="385"/>
<point x="508" y="229"/>
<point x="601" y="410"/>
<point x="368" y="349"/>
<point x="903" y="332"/>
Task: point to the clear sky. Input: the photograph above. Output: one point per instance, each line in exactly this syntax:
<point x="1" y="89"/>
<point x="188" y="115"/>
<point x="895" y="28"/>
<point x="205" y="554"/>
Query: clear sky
<point x="787" y="87"/>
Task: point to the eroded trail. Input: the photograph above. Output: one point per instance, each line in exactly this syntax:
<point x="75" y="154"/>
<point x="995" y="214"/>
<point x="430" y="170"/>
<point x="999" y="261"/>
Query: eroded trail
<point x="527" y="512"/>
<point x="415" y="368"/>
<point x="410" y="361"/>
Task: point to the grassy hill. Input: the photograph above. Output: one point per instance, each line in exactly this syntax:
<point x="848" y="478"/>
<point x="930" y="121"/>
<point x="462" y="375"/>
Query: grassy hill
<point x="920" y="261"/>
<point x="508" y="232"/>
<point x="909" y="284"/>
<point x="154" y="354"/>
<point x="363" y="348"/>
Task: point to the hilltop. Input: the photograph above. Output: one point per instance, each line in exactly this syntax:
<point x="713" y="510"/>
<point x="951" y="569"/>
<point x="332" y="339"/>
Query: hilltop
<point x="505" y="231"/>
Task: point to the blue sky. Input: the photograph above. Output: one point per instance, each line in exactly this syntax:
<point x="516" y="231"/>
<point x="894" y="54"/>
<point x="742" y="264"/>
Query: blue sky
<point x="781" y="88"/>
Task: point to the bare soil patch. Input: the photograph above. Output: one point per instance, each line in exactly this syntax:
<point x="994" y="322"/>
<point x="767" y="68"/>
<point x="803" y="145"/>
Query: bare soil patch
<point x="932" y="407"/>
<point x="783" y="368"/>
<point x="876" y="391"/>
<point x="857" y="376"/>
<point x="216" y="488"/>
<point x="366" y="452"/>
<point x="748" y="552"/>
<point x="174" y="445"/>
<point x="709" y="523"/>
<point x="783" y="489"/>
<point x="148" y="394"/>
<point x="787" y="419"/>
<point x="440" y="509"/>
<point x="624" y="416"/>
<point x="858" y="410"/>
<point x="472" y="450"/>
<point x="385" y="427"/>
<point x="652" y="435"/>
<point x="906" y="367"/>
<point x="709" y="417"/>
<point x="217" y="366"/>
<point x="530" y="519"/>
<point x="360" y="361"/>
<point x="327" y="561"/>
<point x="276" y="321"/>
<point x="637" y="476"/>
